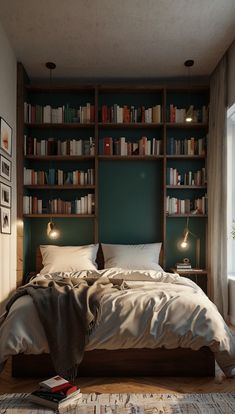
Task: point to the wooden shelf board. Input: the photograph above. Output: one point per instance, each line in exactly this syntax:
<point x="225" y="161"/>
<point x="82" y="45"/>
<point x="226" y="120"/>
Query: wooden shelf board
<point x="59" y="88"/>
<point x="186" y="215"/>
<point x="187" y="125"/>
<point x="72" y="125"/>
<point x="182" y="156"/>
<point x="59" y="187"/>
<point x="59" y="215"/>
<point x="136" y="125"/>
<point x="148" y="88"/>
<point x="130" y="157"/>
<point x="60" y="157"/>
<point x="188" y="187"/>
<point x="188" y="88"/>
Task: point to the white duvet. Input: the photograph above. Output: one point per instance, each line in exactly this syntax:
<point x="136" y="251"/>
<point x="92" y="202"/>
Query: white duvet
<point x="159" y="309"/>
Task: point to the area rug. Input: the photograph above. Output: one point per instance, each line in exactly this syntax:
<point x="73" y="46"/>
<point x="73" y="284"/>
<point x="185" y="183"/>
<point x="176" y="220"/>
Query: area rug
<point x="214" y="403"/>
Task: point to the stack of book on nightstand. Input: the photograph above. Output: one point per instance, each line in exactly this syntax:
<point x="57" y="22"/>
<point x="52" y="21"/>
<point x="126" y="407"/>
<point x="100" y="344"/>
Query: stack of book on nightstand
<point x="56" y="393"/>
<point x="183" y="266"/>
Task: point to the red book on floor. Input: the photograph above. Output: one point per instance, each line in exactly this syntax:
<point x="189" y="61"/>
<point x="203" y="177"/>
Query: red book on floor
<point x="56" y="383"/>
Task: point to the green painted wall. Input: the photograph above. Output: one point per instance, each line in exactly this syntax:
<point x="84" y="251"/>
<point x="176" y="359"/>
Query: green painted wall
<point x="130" y="201"/>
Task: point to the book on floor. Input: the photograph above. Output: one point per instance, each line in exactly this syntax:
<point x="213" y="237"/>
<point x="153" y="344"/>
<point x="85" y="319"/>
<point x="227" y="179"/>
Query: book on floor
<point x="54" y="400"/>
<point x="55" y="383"/>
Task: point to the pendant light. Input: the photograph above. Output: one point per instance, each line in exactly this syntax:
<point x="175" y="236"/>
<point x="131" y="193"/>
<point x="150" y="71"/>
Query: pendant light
<point x="189" y="112"/>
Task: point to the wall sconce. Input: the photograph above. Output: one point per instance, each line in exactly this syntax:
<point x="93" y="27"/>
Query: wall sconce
<point x="184" y="244"/>
<point x="52" y="230"/>
<point x="189" y="112"/>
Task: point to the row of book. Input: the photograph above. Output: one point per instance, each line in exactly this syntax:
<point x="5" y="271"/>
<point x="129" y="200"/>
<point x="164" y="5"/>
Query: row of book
<point x="177" y="206"/>
<point x="111" y="146"/>
<point x="110" y="114"/>
<point x="58" y="177"/>
<point x="120" y="146"/>
<point x="174" y="177"/>
<point x="130" y="114"/>
<point x="83" y="205"/>
<point x="46" y="114"/>
<point x="178" y="115"/>
<point x="187" y="146"/>
<point x="53" y="146"/>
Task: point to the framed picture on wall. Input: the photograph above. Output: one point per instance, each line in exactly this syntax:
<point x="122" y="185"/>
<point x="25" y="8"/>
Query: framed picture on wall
<point x="5" y="168"/>
<point x="6" y="136"/>
<point x="5" y="220"/>
<point x="5" y="195"/>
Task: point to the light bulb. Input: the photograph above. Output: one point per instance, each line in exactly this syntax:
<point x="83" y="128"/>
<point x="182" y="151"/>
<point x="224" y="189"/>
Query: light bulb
<point x="54" y="234"/>
<point x="188" y="119"/>
<point x="52" y="231"/>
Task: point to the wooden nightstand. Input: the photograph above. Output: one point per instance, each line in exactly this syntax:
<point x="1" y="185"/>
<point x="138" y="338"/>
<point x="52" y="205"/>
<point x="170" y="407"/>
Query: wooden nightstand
<point x="197" y="276"/>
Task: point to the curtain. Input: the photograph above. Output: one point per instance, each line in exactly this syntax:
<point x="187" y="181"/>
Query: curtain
<point x="217" y="189"/>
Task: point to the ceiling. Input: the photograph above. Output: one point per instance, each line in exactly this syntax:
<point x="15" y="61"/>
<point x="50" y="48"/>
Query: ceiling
<point x="118" y="39"/>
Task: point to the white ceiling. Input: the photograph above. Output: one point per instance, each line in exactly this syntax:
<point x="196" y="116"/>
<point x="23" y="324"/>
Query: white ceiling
<point x="100" y="39"/>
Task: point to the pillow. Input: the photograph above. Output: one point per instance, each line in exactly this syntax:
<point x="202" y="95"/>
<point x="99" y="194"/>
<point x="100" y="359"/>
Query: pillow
<point x="132" y="256"/>
<point x="68" y="258"/>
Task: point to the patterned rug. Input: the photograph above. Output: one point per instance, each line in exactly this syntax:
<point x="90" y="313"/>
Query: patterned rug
<point x="214" y="403"/>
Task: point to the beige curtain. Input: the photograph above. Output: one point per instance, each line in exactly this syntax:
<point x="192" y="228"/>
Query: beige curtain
<point x="217" y="194"/>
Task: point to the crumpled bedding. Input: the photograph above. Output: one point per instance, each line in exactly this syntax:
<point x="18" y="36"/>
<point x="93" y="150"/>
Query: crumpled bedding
<point x="159" y="309"/>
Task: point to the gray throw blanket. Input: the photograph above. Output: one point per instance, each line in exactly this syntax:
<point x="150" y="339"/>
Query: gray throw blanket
<point x="68" y="310"/>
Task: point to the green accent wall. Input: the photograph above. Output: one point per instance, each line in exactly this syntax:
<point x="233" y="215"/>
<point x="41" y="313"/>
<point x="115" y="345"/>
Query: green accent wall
<point x="130" y="201"/>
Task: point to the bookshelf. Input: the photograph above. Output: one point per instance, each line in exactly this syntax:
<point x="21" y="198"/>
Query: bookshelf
<point x="132" y="130"/>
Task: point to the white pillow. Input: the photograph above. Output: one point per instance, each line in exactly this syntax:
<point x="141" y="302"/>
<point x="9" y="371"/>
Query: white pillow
<point x="68" y="258"/>
<point x="132" y="256"/>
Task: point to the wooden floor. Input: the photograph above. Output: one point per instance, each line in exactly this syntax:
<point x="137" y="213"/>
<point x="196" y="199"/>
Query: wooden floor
<point x="116" y="385"/>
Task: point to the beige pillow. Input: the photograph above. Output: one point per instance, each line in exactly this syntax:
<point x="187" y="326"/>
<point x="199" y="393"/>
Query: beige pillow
<point x="68" y="258"/>
<point x="132" y="256"/>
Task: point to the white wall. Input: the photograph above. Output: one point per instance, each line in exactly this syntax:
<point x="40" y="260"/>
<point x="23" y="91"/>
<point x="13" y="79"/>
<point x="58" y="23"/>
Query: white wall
<point x="8" y="76"/>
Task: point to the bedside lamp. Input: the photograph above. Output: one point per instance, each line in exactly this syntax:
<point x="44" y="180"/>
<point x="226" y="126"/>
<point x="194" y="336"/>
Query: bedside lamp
<point x="52" y="230"/>
<point x="185" y="243"/>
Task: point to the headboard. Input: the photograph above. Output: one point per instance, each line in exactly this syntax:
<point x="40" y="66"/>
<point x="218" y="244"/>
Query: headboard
<point x="99" y="259"/>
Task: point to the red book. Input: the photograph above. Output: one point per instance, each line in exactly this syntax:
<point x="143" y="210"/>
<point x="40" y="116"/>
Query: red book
<point x="104" y="113"/>
<point x="33" y="114"/>
<point x="108" y="146"/>
<point x="55" y="384"/>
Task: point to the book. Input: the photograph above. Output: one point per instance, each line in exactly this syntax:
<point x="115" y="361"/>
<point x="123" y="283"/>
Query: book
<point x="183" y="266"/>
<point x="54" y="384"/>
<point x="54" y="400"/>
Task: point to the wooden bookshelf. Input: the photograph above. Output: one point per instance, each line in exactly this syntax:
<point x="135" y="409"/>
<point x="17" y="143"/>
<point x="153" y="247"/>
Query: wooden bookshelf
<point x="115" y="213"/>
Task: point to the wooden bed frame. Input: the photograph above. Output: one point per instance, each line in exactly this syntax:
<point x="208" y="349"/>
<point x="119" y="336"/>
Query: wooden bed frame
<point x="122" y="362"/>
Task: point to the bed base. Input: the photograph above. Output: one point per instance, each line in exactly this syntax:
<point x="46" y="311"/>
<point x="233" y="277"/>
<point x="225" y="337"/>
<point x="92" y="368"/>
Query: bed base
<point x="125" y="363"/>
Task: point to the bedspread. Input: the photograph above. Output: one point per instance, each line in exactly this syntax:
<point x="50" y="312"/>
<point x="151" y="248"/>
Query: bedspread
<point x="159" y="309"/>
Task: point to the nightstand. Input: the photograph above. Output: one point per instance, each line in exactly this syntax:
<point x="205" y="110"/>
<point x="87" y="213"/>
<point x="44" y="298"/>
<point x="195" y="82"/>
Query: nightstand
<point x="197" y="276"/>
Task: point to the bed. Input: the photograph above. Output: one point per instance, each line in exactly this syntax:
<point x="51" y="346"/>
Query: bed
<point x="189" y="352"/>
